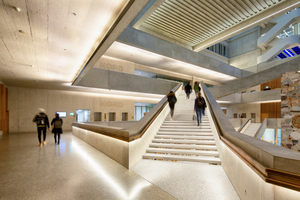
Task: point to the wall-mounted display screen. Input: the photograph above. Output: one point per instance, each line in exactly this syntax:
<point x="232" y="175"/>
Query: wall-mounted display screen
<point x="62" y="114"/>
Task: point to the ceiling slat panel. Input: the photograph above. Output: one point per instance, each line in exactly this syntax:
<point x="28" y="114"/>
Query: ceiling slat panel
<point x="171" y="32"/>
<point x="183" y="25"/>
<point x="172" y="28"/>
<point x="204" y="15"/>
<point x="269" y="2"/>
<point x="180" y="22"/>
<point x="239" y="15"/>
<point x="167" y="34"/>
<point x="263" y="4"/>
<point x="213" y="10"/>
<point x="193" y="17"/>
<point x="246" y="7"/>
<point x="240" y="8"/>
<point x="220" y="6"/>
<point x="186" y="20"/>
<point x="250" y="4"/>
<point x="199" y="20"/>
<point x="221" y="11"/>
<point x="179" y="14"/>
<point x="229" y="10"/>
<point x="258" y="6"/>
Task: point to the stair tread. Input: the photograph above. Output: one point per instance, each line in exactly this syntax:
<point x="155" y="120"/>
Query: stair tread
<point x="180" y="141"/>
<point x="181" y="151"/>
<point x="185" y="133"/>
<point x="184" y="146"/>
<point x="184" y="158"/>
<point x="185" y="137"/>
<point x="185" y="127"/>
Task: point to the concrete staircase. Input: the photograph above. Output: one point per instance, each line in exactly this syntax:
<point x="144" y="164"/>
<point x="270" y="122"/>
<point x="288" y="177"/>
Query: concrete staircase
<point x="182" y="139"/>
<point x="252" y="129"/>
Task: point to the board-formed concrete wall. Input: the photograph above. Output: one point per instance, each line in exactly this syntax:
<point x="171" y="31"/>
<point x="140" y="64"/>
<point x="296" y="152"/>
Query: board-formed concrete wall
<point x="113" y="64"/>
<point x="23" y="104"/>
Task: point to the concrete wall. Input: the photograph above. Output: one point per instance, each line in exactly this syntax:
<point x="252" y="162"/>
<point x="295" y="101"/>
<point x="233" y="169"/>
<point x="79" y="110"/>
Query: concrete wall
<point x="246" y="60"/>
<point x="245" y="181"/>
<point x="162" y="47"/>
<point x="243" y="50"/>
<point x="113" y="148"/>
<point x="244" y="108"/>
<point x="23" y="104"/>
<point x="243" y="43"/>
<point x="113" y="64"/>
<point x="107" y="79"/>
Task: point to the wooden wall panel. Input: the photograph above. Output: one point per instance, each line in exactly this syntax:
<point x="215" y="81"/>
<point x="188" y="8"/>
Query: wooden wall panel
<point x="270" y="110"/>
<point x="4" y="114"/>
<point x="275" y="84"/>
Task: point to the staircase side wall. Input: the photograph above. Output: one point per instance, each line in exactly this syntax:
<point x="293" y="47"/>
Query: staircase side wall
<point x="138" y="147"/>
<point x="245" y="181"/>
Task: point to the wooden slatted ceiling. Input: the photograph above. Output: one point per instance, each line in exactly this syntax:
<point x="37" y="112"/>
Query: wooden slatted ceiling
<point x="194" y="21"/>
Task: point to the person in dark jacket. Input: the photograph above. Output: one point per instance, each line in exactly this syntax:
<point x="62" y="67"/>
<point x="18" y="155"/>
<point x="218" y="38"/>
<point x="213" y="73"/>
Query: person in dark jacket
<point x="197" y="88"/>
<point x="188" y="90"/>
<point x="172" y="100"/>
<point x="57" y="128"/>
<point x="42" y="123"/>
<point x="199" y="107"/>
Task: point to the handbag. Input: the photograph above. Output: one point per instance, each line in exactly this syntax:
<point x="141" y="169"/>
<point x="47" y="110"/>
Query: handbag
<point x="194" y="117"/>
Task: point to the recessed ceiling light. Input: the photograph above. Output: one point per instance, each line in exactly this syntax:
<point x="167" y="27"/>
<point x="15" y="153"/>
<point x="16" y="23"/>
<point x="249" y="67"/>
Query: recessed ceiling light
<point x="32" y="65"/>
<point x="17" y="9"/>
<point x="21" y="31"/>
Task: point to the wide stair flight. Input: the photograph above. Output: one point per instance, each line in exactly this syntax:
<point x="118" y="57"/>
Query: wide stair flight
<point x="182" y="139"/>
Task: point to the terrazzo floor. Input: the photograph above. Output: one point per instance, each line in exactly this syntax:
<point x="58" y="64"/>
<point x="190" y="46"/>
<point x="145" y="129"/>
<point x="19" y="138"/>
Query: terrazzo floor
<point x="72" y="170"/>
<point x="188" y="180"/>
<point x="75" y="170"/>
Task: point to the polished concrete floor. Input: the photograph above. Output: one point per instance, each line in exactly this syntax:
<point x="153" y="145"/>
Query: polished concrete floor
<point x="72" y="170"/>
<point x="75" y="170"/>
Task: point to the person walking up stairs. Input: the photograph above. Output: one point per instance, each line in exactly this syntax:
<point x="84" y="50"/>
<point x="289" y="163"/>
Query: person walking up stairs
<point x="182" y="139"/>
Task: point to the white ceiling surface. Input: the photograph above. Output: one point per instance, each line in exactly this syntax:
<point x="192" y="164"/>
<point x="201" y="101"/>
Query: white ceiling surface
<point x="192" y="22"/>
<point x="143" y="57"/>
<point x="48" y="41"/>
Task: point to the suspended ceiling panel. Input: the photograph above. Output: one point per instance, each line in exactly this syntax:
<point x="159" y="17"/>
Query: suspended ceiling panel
<point x="192" y="22"/>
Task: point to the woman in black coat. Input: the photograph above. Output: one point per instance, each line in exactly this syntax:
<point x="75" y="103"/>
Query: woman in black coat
<point x="57" y="127"/>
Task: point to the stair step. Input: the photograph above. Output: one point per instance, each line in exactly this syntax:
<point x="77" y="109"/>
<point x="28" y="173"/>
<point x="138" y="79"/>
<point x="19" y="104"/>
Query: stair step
<point x="179" y="151"/>
<point x="185" y="127"/>
<point x="178" y="141"/>
<point x="184" y="122"/>
<point x="183" y="158"/>
<point x="190" y="129"/>
<point x="185" y="133"/>
<point x="185" y="137"/>
<point x="184" y="146"/>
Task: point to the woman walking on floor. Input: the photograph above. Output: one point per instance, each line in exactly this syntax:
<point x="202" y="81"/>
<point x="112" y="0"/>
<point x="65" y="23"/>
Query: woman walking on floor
<point x="57" y="129"/>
